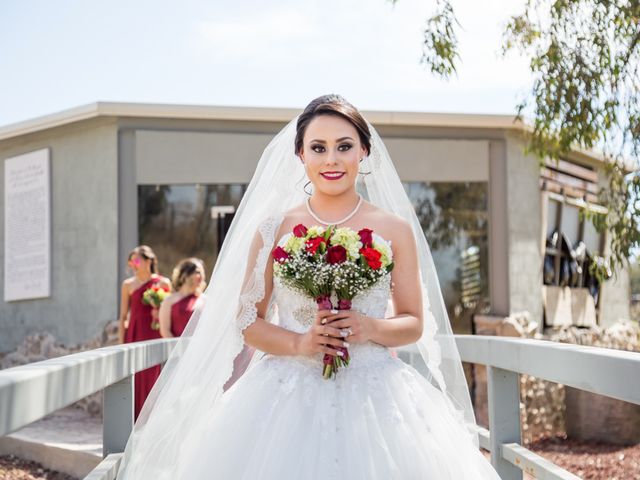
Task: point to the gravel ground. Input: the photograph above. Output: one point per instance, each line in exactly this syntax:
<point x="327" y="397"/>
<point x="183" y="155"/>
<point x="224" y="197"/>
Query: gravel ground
<point x="14" y="468"/>
<point x="591" y="460"/>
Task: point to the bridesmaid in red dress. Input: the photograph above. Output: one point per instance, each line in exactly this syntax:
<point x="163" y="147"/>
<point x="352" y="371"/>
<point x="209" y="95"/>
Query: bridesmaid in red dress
<point x="188" y="285"/>
<point x="143" y="318"/>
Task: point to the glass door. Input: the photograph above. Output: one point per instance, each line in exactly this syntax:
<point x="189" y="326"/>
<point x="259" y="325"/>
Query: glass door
<point x="179" y="221"/>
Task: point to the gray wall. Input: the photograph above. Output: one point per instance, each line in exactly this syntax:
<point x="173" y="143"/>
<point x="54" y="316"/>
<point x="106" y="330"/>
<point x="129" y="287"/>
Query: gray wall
<point x="84" y="236"/>
<point x="616" y="298"/>
<point x="615" y="293"/>
<point x="197" y="157"/>
<point x="229" y="157"/>
<point x="524" y="224"/>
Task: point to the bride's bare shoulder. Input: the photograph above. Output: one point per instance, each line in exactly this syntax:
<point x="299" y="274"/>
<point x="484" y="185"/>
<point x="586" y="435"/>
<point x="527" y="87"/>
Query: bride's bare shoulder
<point x="383" y="217"/>
<point x="291" y="218"/>
<point x="391" y="226"/>
<point x="297" y="212"/>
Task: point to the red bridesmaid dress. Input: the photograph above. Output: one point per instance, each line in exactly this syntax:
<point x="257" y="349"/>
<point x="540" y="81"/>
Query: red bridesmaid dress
<point x="140" y="329"/>
<point x="181" y="312"/>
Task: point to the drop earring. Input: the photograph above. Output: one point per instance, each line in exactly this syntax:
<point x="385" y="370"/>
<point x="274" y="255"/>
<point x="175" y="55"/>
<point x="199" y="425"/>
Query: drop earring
<point x="363" y="173"/>
<point x="305" y="188"/>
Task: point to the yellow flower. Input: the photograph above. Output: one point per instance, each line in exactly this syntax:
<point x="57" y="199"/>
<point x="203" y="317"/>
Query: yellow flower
<point x="315" y="231"/>
<point x="294" y="244"/>
<point x="349" y="239"/>
<point x="386" y="253"/>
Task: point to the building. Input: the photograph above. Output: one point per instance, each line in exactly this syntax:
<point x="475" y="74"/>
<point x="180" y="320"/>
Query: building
<point x="167" y="175"/>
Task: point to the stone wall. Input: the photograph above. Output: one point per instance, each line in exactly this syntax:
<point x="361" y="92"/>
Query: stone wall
<point x="43" y="346"/>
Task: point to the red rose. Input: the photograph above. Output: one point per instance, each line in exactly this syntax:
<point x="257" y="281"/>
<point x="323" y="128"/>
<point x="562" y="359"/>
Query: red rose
<point x="336" y="254"/>
<point x="300" y="230"/>
<point x="280" y="255"/>
<point x="313" y="244"/>
<point x="366" y="237"/>
<point x="372" y="256"/>
<point x="155" y="289"/>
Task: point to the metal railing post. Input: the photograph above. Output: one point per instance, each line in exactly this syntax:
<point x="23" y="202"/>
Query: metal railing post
<point x="117" y="415"/>
<point x="504" y="418"/>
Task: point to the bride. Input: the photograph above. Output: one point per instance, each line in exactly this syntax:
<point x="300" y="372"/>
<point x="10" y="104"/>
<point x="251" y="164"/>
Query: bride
<point x="242" y="395"/>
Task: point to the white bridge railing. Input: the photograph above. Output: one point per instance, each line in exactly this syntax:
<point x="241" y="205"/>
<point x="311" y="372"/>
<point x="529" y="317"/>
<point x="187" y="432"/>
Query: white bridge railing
<point x="612" y="373"/>
<point x="30" y="392"/>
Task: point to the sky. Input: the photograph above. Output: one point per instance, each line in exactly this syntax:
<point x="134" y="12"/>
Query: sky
<point x="61" y="54"/>
<point x="56" y="55"/>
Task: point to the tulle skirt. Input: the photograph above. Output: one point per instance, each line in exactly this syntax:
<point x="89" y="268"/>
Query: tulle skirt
<point x="379" y="419"/>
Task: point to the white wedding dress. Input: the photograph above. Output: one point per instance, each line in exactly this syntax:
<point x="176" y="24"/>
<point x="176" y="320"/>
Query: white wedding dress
<point x="379" y="419"/>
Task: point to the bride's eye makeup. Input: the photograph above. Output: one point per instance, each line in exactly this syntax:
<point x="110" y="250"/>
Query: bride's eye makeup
<point x="342" y="148"/>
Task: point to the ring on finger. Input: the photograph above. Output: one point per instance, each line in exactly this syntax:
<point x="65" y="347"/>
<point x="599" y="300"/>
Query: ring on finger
<point x="345" y="332"/>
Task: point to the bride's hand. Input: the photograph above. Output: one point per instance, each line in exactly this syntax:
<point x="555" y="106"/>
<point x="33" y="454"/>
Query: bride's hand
<point x="358" y="326"/>
<point x="316" y="339"/>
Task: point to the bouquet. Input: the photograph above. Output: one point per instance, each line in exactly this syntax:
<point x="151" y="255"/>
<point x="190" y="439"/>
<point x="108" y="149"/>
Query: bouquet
<point x="154" y="296"/>
<point x="318" y="262"/>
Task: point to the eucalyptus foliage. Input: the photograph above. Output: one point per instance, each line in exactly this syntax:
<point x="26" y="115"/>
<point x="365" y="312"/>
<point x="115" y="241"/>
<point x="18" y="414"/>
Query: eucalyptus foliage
<point x="585" y="64"/>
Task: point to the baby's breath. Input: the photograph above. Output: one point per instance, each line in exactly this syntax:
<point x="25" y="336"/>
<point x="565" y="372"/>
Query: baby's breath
<point x="310" y="274"/>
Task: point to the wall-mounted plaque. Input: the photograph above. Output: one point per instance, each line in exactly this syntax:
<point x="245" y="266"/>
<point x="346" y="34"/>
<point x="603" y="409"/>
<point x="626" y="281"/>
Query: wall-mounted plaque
<point x="27" y="226"/>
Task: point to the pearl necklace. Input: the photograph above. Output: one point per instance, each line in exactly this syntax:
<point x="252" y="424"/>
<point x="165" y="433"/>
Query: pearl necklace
<point x="318" y="219"/>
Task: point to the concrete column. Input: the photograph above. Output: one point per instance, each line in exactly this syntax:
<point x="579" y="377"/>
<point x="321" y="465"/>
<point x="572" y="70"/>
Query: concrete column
<point x="498" y="230"/>
<point x="127" y="200"/>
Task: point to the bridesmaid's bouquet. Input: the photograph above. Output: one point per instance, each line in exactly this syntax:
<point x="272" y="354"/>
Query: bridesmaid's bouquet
<point x="318" y="262"/>
<point x="154" y="296"/>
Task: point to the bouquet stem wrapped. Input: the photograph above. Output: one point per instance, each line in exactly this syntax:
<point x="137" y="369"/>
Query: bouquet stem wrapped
<point x="332" y="363"/>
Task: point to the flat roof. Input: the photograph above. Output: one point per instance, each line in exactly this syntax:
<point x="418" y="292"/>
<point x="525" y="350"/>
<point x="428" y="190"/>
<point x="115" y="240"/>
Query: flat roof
<point x="265" y="114"/>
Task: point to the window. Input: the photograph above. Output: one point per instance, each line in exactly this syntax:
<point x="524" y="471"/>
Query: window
<point x="176" y="221"/>
<point x="454" y="217"/>
<point x="179" y="221"/>
<point x="572" y="242"/>
<point x="570" y="291"/>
